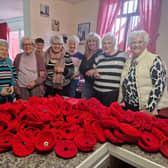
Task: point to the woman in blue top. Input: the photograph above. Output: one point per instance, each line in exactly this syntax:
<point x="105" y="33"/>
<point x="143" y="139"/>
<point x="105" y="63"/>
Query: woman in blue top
<point x="92" y="50"/>
<point x="7" y="74"/>
<point x="76" y="57"/>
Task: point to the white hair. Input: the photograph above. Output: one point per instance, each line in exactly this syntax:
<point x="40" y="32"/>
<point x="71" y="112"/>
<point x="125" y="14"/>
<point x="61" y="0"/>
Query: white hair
<point x="112" y="36"/>
<point x="25" y="38"/>
<point x="57" y="39"/>
<point x="73" y="38"/>
<point x="134" y="34"/>
<point x="4" y="43"/>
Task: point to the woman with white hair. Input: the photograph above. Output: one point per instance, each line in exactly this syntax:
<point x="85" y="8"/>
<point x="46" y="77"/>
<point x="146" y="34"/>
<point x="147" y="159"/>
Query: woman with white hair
<point x="31" y="71"/>
<point x="60" y="69"/>
<point x="92" y="50"/>
<point x="107" y="71"/>
<point x="7" y="74"/>
<point x="143" y="83"/>
<point x="76" y="57"/>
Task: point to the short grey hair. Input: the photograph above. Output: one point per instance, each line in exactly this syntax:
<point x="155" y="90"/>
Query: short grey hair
<point x="57" y="39"/>
<point x="4" y="43"/>
<point x="23" y="39"/>
<point x="110" y="35"/>
<point x="134" y="34"/>
<point x="73" y="38"/>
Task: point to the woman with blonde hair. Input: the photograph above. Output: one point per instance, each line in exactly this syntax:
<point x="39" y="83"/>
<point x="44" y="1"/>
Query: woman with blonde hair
<point x="92" y="50"/>
<point x="59" y="69"/>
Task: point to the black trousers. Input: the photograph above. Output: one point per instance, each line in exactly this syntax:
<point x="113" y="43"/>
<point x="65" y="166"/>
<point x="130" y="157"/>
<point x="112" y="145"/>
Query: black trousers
<point x="106" y="98"/>
<point x="50" y="91"/>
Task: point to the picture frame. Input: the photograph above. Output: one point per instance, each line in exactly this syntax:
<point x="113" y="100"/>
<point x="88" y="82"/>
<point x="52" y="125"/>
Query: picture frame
<point x="55" y="25"/>
<point x="44" y="10"/>
<point x="83" y="30"/>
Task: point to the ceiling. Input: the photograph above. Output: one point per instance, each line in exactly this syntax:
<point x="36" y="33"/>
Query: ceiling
<point x="14" y="8"/>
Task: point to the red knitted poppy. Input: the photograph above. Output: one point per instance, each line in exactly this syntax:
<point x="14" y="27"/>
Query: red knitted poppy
<point x="164" y="147"/>
<point x="85" y="142"/>
<point x="129" y="130"/>
<point x="23" y="145"/>
<point x="98" y="131"/>
<point x="149" y="142"/>
<point x="6" y="140"/>
<point x="113" y="139"/>
<point x="45" y="140"/>
<point x="110" y="122"/>
<point x="66" y="149"/>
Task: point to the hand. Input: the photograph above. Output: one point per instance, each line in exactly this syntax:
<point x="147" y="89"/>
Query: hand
<point x="4" y="92"/>
<point x="75" y="75"/>
<point x="150" y="113"/>
<point x="31" y="85"/>
<point x="10" y="90"/>
<point x="91" y="72"/>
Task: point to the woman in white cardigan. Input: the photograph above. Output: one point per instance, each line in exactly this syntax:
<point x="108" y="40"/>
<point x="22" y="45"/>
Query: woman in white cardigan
<point x="143" y="81"/>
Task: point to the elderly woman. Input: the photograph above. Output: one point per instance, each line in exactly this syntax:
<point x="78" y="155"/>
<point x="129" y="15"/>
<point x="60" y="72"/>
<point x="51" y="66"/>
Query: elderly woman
<point x="7" y="74"/>
<point x="76" y="57"/>
<point x="107" y="71"/>
<point x="143" y="83"/>
<point x="92" y="50"/>
<point x="31" y="71"/>
<point x="60" y="69"/>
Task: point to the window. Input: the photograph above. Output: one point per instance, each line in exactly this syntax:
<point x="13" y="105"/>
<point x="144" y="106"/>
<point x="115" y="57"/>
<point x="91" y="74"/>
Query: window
<point x="127" y="21"/>
<point x="14" y="41"/>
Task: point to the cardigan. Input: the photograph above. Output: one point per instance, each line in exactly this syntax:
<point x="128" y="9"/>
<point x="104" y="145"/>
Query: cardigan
<point x="40" y="68"/>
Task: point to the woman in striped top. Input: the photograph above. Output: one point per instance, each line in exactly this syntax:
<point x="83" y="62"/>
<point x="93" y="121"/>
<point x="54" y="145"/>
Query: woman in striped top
<point x="107" y="71"/>
<point x="7" y="74"/>
<point x="59" y="67"/>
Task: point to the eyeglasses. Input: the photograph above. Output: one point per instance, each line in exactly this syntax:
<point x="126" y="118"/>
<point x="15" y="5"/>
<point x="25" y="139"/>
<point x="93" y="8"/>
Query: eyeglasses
<point x="137" y="42"/>
<point x="27" y="44"/>
<point x="57" y="44"/>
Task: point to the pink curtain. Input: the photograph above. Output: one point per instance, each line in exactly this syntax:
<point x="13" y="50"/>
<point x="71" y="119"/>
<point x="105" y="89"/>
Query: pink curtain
<point x="107" y="15"/>
<point x="150" y="12"/>
<point x="4" y="31"/>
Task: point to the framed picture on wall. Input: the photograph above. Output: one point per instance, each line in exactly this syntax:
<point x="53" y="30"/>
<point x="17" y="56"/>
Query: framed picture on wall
<point x="83" y="30"/>
<point x="44" y="10"/>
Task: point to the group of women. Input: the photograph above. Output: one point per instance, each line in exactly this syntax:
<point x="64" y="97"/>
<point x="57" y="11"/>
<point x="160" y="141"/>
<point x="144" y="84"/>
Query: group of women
<point x="137" y="81"/>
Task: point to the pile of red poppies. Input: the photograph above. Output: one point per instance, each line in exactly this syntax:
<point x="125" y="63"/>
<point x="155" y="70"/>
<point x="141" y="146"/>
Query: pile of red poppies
<point x="69" y="125"/>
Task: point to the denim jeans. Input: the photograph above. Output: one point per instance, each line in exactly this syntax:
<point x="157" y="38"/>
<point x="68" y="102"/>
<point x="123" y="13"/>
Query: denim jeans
<point x="87" y="91"/>
<point x="73" y="87"/>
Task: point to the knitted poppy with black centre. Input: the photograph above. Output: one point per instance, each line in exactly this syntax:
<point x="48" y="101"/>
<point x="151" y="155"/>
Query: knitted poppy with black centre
<point x="66" y="149"/>
<point x="149" y="142"/>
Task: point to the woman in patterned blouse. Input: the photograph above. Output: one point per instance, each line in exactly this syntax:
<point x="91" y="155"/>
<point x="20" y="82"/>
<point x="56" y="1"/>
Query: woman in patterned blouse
<point x="143" y="82"/>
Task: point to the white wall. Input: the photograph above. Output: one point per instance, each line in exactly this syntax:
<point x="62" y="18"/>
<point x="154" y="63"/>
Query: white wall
<point x="84" y="12"/>
<point x="41" y="25"/>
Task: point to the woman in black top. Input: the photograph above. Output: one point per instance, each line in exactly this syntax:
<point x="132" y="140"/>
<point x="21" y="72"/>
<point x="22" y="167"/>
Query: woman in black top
<point x="92" y="50"/>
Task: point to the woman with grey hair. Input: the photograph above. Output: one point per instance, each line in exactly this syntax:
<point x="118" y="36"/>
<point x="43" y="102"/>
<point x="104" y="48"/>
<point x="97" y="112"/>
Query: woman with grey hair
<point x="31" y="71"/>
<point x="76" y="57"/>
<point x="60" y="69"/>
<point x="143" y="83"/>
<point x="107" y="71"/>
<point x="7" y="74"/>
<point x="92" y="50"/>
